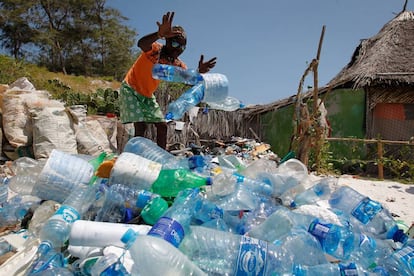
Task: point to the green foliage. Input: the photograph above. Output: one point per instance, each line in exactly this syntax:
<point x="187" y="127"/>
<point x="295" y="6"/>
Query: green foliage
<point x="81" y="37"/>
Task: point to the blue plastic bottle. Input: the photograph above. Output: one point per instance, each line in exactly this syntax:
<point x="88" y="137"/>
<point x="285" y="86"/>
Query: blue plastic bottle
<point x="367" y="215"/>
<point x="175" y="222"/>
<point x="185" y="102"/>
<point x="172" y="73"/>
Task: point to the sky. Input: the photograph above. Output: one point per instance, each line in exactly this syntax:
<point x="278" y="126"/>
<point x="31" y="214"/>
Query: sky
<point x="264" y="46"/>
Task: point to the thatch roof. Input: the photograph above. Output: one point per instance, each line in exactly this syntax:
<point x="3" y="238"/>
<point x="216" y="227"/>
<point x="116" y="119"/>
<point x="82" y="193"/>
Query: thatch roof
<point x="386" y="58"/>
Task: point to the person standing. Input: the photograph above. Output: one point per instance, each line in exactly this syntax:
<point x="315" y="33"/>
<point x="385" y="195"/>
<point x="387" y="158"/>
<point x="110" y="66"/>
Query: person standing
<point x="138" y="104"/>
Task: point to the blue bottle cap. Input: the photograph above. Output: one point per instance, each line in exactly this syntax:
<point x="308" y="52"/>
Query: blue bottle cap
<point x="196" y="161"/>
<point x="129" y="236"/>
<point x="209" y="181"/>
<point x="169" y="116"/>
<point x="143" y="198"/>
<point x="400" y="236"/>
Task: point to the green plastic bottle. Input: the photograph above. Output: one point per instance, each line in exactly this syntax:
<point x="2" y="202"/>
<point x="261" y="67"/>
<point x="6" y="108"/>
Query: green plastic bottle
<point x="170" y="182"/>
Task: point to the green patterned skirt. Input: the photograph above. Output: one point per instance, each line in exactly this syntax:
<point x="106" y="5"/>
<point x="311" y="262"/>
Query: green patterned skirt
<point x="134" y="107"/>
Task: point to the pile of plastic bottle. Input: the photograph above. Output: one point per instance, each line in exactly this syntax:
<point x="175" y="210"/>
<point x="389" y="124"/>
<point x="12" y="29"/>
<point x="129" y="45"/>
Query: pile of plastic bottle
<point x="148" y="212"/>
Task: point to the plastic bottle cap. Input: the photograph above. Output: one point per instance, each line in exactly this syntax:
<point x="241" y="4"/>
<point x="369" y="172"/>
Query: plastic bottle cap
<point x="169" y="116"/>
<point x="129" y="236"/>
<point x="196" y="161"/>
<point x="143" y="198"/>
<point x="154" y="210"/>
<point x="209" y="181"/>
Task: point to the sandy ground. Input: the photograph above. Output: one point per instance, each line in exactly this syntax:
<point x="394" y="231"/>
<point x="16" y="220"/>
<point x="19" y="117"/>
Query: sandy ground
<point x="397" y="197"/>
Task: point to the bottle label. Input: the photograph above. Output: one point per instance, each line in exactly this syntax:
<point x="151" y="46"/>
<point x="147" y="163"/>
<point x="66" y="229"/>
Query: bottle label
<point x="252" y="257"/>
<point x="319" y="229"/>
<point x="406" y="255"/>
<point x="366" y="210"/>
<point x="348" y="270"/>
<point x="67" y="213"/>
<point x="168" y="229"/>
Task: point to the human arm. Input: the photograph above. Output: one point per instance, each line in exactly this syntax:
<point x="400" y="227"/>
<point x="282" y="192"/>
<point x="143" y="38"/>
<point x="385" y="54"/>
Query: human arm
<point x="204" y="67"/>
<point x="164" y="31"/>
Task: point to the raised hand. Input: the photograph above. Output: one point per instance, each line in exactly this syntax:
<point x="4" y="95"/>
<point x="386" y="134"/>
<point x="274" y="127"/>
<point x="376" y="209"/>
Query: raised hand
<point x="165" y="27"/>
<point x="204" y="67"/>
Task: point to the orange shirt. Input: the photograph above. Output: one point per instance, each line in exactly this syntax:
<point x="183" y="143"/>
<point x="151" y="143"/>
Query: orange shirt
<point x="139" y="75"/>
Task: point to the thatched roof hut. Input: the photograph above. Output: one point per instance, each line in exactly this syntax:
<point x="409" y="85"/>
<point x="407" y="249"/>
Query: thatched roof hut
<point x="386" y="58"/>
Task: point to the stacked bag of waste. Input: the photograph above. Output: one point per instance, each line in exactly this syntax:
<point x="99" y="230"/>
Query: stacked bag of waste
<point x="148" y="212"/>
<point x="33" y="124"/>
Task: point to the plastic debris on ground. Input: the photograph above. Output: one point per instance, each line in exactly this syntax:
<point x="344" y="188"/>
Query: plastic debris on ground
<point x="220" y="208"/>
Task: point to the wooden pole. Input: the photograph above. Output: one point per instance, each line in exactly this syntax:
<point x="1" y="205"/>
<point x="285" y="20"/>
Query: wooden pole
<point x="380" y="163"/>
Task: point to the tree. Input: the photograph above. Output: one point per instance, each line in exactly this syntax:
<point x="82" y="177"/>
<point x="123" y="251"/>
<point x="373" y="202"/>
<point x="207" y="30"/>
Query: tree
<point x="80" y="37"/>
<point x="15" y="29"/>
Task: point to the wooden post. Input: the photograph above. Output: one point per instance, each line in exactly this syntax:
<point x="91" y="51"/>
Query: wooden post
<point x="380" y="156"/>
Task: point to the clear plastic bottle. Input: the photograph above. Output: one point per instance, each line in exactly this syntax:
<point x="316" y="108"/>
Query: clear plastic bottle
<point x="48" y="262"/>
<point x="257" y="216"/>
<point x="288" y="180"/>
<point x="155" y="256"/>
<point x="240" y="199"/>
<point x="259" y="165"/>
<point x="175" y="222"/>
<point x="4" y="190"/>
<point x="228" y="104"/>
<point x="121" y="204"/>
<point x="318" y="191"/>
<point x="367" y="215"/>
<point x="232" y="179"/>
<point x="368" y="251"/>
<point x="102" y="234"/>
<point x="298" y="241"/>
<point x="62" y="174"/>
<point x="401" y="262"/>
<point x="40" y="215"/>
<point x="185" y="102"/>
<point x="172" y="73"/>
<point x="26" y="172"/>
<point x="56" y="230"/>
<point x="5" y="247"/>
<point x="335" y="240"/>
<point x="14" y="210"/>
<point x="224" y="253"/>
<point x="208" y="211"/>
<point x="109" y="265"/>
<point x="216" y="87"/>
<point x="150" y="150"/>
<point x="329" y="269"/>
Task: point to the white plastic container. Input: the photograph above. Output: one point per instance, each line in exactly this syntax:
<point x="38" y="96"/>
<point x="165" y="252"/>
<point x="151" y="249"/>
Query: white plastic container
<point x="102" y="234"/>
